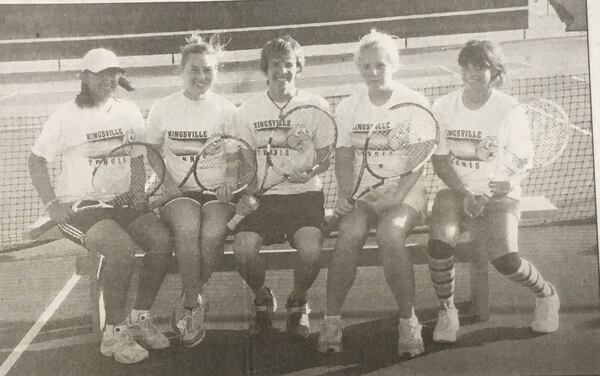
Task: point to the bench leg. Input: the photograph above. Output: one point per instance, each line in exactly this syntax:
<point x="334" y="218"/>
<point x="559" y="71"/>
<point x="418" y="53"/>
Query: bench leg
<point x="96" y="306"/>
<point x="480" y="287"/>
<point x="96" y="297"/>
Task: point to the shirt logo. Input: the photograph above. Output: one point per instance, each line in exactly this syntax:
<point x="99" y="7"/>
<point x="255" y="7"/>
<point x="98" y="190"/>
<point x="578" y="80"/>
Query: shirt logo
<point x="105" y="134"/>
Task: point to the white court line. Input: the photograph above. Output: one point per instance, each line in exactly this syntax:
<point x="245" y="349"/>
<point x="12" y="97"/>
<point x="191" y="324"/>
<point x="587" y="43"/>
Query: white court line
<point x="8" y="96"/>
<point x="445" y="68"/>
<point x="577" y="78"/>
<point x="522" y="63"/>
<point x="35" y="329"/>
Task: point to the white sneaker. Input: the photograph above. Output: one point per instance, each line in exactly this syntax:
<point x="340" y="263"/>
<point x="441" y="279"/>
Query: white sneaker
<point x="147" y="334"/>
<point x="119" y="344"/>
<point x="330" y="336"/>
<point x="545" y="316"/>
<point x="410" y="341"/>
<point x="447" y="325"/>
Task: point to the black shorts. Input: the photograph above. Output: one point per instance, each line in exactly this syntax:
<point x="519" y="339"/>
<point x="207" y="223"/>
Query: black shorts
<point x="79" y="224"/>
<point x="278" y="217"/>
<point x="203" y="198"/>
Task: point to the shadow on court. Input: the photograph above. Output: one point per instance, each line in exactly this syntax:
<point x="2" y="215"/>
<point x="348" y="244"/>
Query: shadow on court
<point x="369" y="347"/>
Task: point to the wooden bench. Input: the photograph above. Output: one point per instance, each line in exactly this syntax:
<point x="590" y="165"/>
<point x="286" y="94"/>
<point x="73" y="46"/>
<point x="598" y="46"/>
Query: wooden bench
<point x="278" y="259"/>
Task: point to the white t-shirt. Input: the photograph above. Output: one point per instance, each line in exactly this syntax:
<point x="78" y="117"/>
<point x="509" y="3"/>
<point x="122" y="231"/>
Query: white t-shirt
<point x="83" y="136"/>
<point x="183" y="125"/>
<point x="356" y="114"/>
<point x="464" y="131"/>
<point x="255" y="121"/>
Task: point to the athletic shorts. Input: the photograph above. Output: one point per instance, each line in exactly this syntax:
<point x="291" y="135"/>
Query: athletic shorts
<point x="79" y="224"/>
<point x="201" y="198"/>
<point x="416" y="198"/>
<point x="506" y="205"/>
<point x="278" y="217"/>
<point x="493" y="230"/>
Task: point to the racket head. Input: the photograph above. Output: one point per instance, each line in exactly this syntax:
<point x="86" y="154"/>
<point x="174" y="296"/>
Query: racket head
<point x="306" y="140"/>
<point x="549" y="130"/>
<point x="534" y="134"/>
<point x="225" y="160"/>
<point x="128" y="175"/>
<point x="401" y="142"/>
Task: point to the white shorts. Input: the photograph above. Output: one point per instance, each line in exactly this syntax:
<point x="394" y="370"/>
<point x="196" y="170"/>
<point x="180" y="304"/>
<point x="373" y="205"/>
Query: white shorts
<point x="416" y="198"/>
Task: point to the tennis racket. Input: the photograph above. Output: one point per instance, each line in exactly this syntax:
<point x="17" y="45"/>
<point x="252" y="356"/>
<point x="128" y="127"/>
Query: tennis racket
<point x="125" y="177"/>
<point x="547" y="136"/>
<point x="398" y="144"/>
<point x="223" y="159"/>
<point x="303" y="140"/>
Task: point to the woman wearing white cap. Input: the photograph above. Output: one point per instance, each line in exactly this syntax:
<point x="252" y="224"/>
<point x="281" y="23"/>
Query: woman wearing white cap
<point x="80" y="131"/>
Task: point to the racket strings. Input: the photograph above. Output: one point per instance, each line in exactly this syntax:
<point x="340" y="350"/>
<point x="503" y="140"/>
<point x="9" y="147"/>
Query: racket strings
<point x="128" y="175"/>
<point x="401" y="141"/>
<point x="309" y="141"/>
<point x="549" y="131"/>
<point x="226" y="161"/>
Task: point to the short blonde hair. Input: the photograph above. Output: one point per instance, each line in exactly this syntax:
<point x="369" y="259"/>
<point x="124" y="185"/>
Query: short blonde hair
<point x="378" y="40"/>
<point x="195" y="44"/>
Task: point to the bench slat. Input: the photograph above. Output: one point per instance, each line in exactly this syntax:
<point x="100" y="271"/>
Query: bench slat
<point x="283" y="259"/>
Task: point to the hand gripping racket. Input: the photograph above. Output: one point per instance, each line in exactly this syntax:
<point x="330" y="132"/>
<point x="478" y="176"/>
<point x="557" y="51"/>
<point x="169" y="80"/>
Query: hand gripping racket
<point x="398" y="144"/>
<point x="222" y="160"/>
<point x="543" y="137"/>
<point x="125" y="177"/>
<point x="303" y="141"/>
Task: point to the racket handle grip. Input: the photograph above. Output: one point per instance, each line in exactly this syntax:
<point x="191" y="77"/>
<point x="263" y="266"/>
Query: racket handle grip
<point x="333" y="221"/>
<point x="330" y="224"/>
<point x="36" y="232"/>
<point x="237" y="218"/>
<point x="475" y="210"/>
<point x="233" y="222"/>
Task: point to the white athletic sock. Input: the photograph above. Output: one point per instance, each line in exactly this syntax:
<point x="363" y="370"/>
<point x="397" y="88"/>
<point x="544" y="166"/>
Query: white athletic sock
<point x="527" y="275"/>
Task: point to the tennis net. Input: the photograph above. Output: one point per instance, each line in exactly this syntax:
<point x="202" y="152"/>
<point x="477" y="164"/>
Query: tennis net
<point x="568" y="183"/>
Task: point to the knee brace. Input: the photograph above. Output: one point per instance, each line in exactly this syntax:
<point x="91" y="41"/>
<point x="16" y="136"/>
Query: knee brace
<point x="438" y="249"/>
<point x="508" y="263"/>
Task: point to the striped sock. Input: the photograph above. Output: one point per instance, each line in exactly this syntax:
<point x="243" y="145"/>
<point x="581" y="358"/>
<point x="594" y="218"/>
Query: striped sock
<point x="527" y="275"/>
<point x="442" y="275"/>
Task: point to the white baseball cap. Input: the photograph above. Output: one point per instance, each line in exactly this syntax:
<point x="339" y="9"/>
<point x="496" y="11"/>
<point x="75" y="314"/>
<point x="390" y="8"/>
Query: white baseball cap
<point x="99" y="59"/>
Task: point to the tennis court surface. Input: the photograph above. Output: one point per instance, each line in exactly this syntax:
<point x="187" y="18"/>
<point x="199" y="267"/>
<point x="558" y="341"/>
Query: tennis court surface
<point x="44" y="308"/>
<point x="503" y="345"/>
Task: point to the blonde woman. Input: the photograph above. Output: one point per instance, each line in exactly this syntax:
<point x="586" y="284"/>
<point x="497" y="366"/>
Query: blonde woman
<point x="180" y="124"/>
<point x="393" y="212"/>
